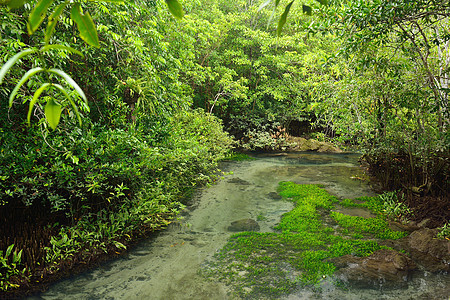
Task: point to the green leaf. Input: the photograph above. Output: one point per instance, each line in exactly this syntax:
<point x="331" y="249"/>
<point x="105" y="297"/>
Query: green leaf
<point x="75" y="108"/>
<point x="277" y="2"/>
<point x="52" y="20"/>
<point x="9" y="250"/>
<point x="12" y="61"/>
<point x="70" y="81"/>
<point x="37" y="15"/>
<point x="264" y="5"/>
<point x="15" y="4"/>
<point x="52" y="112"/>
<point x="85" y="25"/>
<point x="175" y="8"/>
<point x="307" y="10"/>
<point x="283" y="17"/>
<point x="60" y="47"/>
<point x="17" y="257"/>
<point x="36" y="96"/>
<point x="24" y="78"/>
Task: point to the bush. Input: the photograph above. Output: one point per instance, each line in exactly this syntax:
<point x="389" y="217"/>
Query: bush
<point x="78" y="192"/>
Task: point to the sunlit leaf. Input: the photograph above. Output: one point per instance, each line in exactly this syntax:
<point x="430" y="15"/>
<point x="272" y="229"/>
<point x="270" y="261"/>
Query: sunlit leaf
<point x="12" y="61"/>
<point x="36" y="96"/>
<point x="307" y="10"/>
<point x="52" y="112"/>
<point x="9" y="250"/>
<point x="37" y="15"/>
<point x="264" y="5"/>
<point x="24" y="78"/>
<point x="175" y="8"/>
<point x="17" y="257"/>
<point x="70" y="81"/>
<point x="85" y="25"/>
<point x="52" y="20"/>
<point x="283" y="17"/>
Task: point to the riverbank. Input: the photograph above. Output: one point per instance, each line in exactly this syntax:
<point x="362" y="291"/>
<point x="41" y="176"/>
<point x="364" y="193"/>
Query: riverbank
<point x="65" y="212"/>
<point x="168" y="265"/>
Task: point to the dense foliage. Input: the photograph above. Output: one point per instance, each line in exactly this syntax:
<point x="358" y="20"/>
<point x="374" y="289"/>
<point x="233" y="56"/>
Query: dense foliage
<point x="370" y="74"/>
<point x="71" y="194"/>
<point x="390" y="94"/>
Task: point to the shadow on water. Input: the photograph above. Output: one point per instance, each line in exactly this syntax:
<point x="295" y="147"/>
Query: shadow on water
<point x="166" y="267"/>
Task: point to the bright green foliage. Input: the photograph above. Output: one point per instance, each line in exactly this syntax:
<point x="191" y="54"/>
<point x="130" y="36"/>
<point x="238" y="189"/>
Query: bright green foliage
<point x="243" y="73"/>
<point x="444" y="232"/>
<point x="234" y="156"/>
<point x="274" y="264"/>
<point x="308" y="198"/>
<point x="385" y="204"/>
<point x="374" y="204"/>
<point x="10" y="266"/>
<point x="376" y="226"/>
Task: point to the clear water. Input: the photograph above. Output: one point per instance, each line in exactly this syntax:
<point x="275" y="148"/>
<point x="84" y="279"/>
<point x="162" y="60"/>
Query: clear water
<point x="166" y="267"/>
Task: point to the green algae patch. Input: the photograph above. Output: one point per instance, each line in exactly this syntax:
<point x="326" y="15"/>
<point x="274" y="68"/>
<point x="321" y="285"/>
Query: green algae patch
<point x="377" y="226"/>
<point x="373" y="204"/>
<point x="269" y="265"/>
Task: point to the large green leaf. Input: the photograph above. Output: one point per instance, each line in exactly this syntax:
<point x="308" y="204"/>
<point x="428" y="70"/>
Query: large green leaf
<point x="24" y="78"/>
<point x="283" y="17"/>
<point x="52" y="20"/>
<point x="85" y="25"/>
<point x="70" y="81"/>
<point x="37" y="15"/>
<point x="52" y="112"/>
<point x="12" y="61"/>
<point x="175" y="8"/>
<point x="36" y="96"/>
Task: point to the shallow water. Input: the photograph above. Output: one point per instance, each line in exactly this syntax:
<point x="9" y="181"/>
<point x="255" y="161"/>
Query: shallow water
<point x="166" y="267"/>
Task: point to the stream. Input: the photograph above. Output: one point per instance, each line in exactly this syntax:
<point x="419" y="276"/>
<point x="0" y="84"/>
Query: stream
<point x="166" y="266"/>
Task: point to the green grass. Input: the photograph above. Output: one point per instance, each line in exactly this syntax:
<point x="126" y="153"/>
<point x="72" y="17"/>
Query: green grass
<point x="270" y="265"/>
